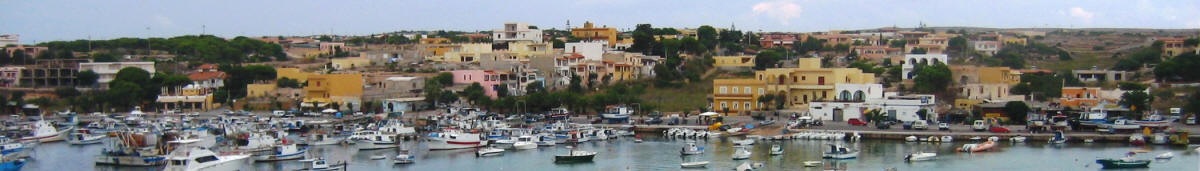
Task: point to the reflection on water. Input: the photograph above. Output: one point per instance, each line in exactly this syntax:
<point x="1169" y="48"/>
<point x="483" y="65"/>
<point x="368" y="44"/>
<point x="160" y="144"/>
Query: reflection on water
<point x="663" y="154"/>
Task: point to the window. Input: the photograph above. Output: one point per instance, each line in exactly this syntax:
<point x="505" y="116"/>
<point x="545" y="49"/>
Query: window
<point x="723" y="91"/>
<point x="724" y="105"/>
<point x="206" y="159"/>
<point x="747" y="90"/>
<point x="735" y="90"/>
<point x="747" y="104"/>
<point x="735" y="105"/>
<point x="761" y="91"/>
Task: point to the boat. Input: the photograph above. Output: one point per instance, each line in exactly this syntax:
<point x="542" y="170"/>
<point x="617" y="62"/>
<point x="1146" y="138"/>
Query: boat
<point x="919" y="157"/>
<point x="1137" y="139"/>
<point x="378" y="157"/>
<point x="1017" y="139"/>
<point x="524" y="143"/>
<point x="201" y="159"/>
<point x="283" y="152"/>
<point x="1120" y="124"/>
<point x="744" y="142"/>
<point x="1154" y="120"/>
<point x="1123" y="163"/>
<point x="1167" y="155"/>
<point x="489" y="151"/>
<point x="546" y="140"/>
<point x="747" y="166"/>
<point x="129" y="149"/>
<point x="84" y="136"/>
<point x="1059" y="138"/>
<point x="776" y="150"/>
<point x="12" y="164"/>
<point x="988" y="145"/>
<point x="404" y="158"/>
<point x="839" y="152"/>
<point x="320" y="164"/>
<point x="813" y="163"/>
<point x="910" y="138"/>
<point x="617" y="113"/>
<point x="574" y="155"/>
<point x="993" y="138"/>
<point x="947" y="138"/>
<point x="741" y="153"/>
<point x="691" y="149"/>
<point x="10" y="148"/>
<point x="639" y="140"/>
<point x="43" y="131"/>
<point x="322" y="139"/>
<point x="453" y="139"/>
<point x="1158" y="138"/>
<point x="976" y="138"/>
<point x="1089" y="140"/>
<point x="697" y="164"/>
<point x="371" y="140"/>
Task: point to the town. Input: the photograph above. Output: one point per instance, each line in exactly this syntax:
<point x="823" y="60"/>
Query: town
<point x="288" y="102"/>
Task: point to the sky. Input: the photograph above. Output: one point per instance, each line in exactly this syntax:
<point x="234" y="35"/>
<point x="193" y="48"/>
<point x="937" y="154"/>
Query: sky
<point x="51" y="20"/>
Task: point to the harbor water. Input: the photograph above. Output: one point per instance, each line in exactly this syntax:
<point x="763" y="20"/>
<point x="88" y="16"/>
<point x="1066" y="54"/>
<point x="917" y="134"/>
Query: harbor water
<point x="657" y="153"/>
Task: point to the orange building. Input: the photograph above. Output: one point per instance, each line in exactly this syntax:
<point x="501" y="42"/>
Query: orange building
<point x="1077" y="97"/>
<point x="590" y="32"/>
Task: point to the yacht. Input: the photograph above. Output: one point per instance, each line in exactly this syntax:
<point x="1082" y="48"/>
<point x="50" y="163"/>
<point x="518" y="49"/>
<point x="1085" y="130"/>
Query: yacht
<point x="742" y="153"/>
<point x="525" y="142"/>
<point x="43" y="131"/>
<point x="453" y="139"/>
<point x="839" y="152"/>
<point x="489" y="151"/>
<point x="201" y="159"/>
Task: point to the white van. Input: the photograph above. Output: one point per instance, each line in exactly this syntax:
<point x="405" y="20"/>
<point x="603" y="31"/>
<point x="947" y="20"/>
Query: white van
<point x="278" y="113"/>
<point x="979" y="126"/>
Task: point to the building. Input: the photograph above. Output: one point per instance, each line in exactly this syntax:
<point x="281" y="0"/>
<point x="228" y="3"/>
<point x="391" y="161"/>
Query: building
<point x="912" y="60"/>
<point x="808" y="81"/>
<point x="407" y="104"/>
<point x="772" y="40"/>
<point x="965" y="74"/>
<point x="1080" y="97"/>
<point x="987" y="43"/>
<point x="878" y="53"/>
<point x="186" y="98"/>
<point x="517" y="32"/>
<point x="1173" y="46"/>
<point x="346" y="90"/>
<point x="848" y="104"/>
<point x="393" y="87"/>
<point x="430" y="40"/>
<point x="50" y="73"/>
<point x="591" y="50"/>
<point x="291" y="73"/>
<point x="591" y="33"/>
<point x="350" y="63"/>
<point x="490" y="80"/>
<point x="259" y="90"/>
<point x="908" y="108"/>
<point x="465" y="53"/>
<point x="996" y="92"/>
<point x="331" y="47"/>
<point x="208" y="79"/>
<point x="108" y="70"/>
<point x="9" y="39"/>
<point x="1014" y="40"/>
<point x="743" y="62"/>
<point x="10" y="76"/>
<point x="1098" y="75"/>
<point x="737" y="96"/>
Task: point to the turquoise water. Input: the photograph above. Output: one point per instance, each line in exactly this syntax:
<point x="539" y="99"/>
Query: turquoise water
<point x="663" y="154"/>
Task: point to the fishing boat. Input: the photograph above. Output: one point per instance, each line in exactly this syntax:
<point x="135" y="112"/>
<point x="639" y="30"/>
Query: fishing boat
<point x="322" y="139"/>
<point x="1123" y="163"/>
<point x="319" y="164"/>
<point x="696" y="164"/>
<point x="257" y="142"/>
<point x="616" y="113"/>
<point x="839" y="152"/>
<point x="283" y="152"/>
<point x="201" y="159"/>
<point x="452" y="139"/>
<point x="1058" y="138"/>
<point x="43" y="131"/>
<point x="1137" y="139"/>
<point x="742" y="153"/>
<point x="988" y="145"/>
<point x="372" y="140"/>
<point x="84" y="136"/>
<point x="489" y="151"/>
<point x="404" y="158"/>
<point x="776" y="150"/>
<point x="691" y="149"/>
<point x="10" y="148"/>
<point x="524" y="143"/>
<point x="919" y="157"/>
<point x="575" y="155"/>
<point x="546" y="140"/>
<point x="130" y="149"/>
<point x="1154" y="120"/>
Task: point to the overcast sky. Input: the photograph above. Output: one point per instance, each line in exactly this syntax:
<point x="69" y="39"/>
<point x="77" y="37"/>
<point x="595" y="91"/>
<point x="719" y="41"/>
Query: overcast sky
<point x="48" y="20"/>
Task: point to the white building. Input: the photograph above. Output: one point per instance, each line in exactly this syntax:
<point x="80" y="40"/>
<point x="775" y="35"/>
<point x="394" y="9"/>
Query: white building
<point x="9" y="39"/>
<point x="108" y="70"/>
<point x="850" y="102"/>
<point x="987" y="47"/>
<point x="591" y="50"/>
<point x="858" y="92"/>
<point x="911" y="61"/>
<point x="900" y="108"/>
<point x="516" y="32"/>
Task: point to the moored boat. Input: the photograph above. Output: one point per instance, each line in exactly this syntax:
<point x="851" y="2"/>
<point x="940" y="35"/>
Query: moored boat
<point x="741" y="153"/>
<point x="697" y="164"/>
<point x="489" y="151"/>
<point x="985" y="146"/>
<point x="919" y="157"/>
<point x="404" y="158"/>
<point x="84" y="136"/>
<point x="1123" y="163"/>
<point x="691" y="149"/>
<point x="839" y="152"/>
<point x="283" y="152"/>
<point x="453" y="139"/>
<point x="574" y="156"/>
<point x="776" y="150"/>
<point x="201" y="159"/>
<point x="320" y="164"/>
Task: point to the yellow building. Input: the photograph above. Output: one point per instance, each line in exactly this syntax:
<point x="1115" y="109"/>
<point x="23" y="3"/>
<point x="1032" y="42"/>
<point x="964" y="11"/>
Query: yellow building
<point x="524" y="50"/>
<point x="1014" y="40"/>
<point x="967" y="104"/>
<point x="737" y="95"/>
<point x="434" y="40"/>
<point x="259" y="90"/>
<point x="809" y="82"/>
<point x="734" y="61"/>
<point x="590" y="32"/>
<point x="1173" y="46"/>
<point x="466" y="52"/>
<point x="350" y="63"/>
<point x="340" y="88"/>
<point x="291" y="73"/>
<point x="965" y="74"/>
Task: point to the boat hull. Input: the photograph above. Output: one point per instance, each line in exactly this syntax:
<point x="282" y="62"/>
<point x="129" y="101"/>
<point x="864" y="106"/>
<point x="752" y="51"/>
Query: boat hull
<point x="14" y="165"/>
<point x="375" y="145"/>
<point x="281" y="157"/>
<point x="450" y="145"/>
<point x="130" y="160"/>
<point x="700" y="164"/>
<point x="1118" y="163"/>
<point x="850" y="155"/>
<point x="573" y="159"/>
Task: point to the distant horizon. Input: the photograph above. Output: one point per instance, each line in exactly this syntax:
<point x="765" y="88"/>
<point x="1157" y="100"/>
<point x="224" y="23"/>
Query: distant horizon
<point x="64" y="20"/>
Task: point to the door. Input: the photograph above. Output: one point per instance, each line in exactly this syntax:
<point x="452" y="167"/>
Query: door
<point x="837" y="114"/>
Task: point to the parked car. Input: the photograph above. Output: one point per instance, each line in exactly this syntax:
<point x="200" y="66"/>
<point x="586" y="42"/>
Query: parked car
<point x="920" y="125"/>
<point x="884" y="124"/>
<point x="997" y="129"/>
<point x="979" y="126"/>
<point x="908" y="125"/>
<point x="856" y="122"/>
<point x="278" y="113"/>
<point x="655" y="120"/>
<point x="943" y="126"/>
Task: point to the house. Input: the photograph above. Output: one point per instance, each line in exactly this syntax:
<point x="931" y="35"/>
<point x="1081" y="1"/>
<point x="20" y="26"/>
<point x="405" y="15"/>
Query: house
<point x="516" y="32"/>
<point x="1173" y="46"/>
<point x="350" y="63"/>
<point x="848" y="104"/>
<point x="912" y="60"/>
<point x="50" y="73"/>
<point x="742" y="63"/>
<point x="809" y="81"/>
<point x="987" y="43"/>
<point x="737" y="96"/>
<point x="907" y="108"/>
<point x="465" y="52"/>
<point x="331" y="47"/>
<point x="590" y="33"/>
<point x="590" y="50"/>
<point x="490" y="80"/>
<point x="772" y="40"/>
<point x="208" y="79"/>
<point x="407" y="104"/>
<point x="323" y="89"/>
<point x="108" y="70"/>
<point x="259" y="90"/>
<point x="291" y="73"/>
<point x="877" y="53"/>
<point x="187" y="98"/>
<point x="10" y="76"/>
<point x="431" y="40"/>
<point x="1098" y="75"/>
<point x="393" y="87"/>
<point x="1080" y="97"/>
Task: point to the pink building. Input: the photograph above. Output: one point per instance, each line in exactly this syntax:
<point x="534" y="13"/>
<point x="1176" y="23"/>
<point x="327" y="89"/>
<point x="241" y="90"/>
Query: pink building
<point x="490" y="80"/>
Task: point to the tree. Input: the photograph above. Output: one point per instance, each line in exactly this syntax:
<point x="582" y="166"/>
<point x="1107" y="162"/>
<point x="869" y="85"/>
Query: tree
<point x="766" y="59"/>
<point x="897" y="43"/>
<point x="1064" y="55"/>
<point x="707" y="36"/>
<point x="576" y="83"/>
<point x="535" y="87"/>
<point x="1016" y="111"/>
<point x="643" y="39"/>
<point x="933" y="78"/>
<point x="766" y="99"/>
<point x="958" y="43"/>
<point x="286" y="82"/>
<point x="502" y="90"/>
<point x="474" y="93"/>
<point x="104" y="57"/>
<point x="1136" y="100"/>
<point x="445" y="78"/>
<point x="86" y="78"/>
<point x="918" y="50"/>
<point x="66" y="92"/>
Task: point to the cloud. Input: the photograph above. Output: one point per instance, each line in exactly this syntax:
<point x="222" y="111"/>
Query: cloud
<point x="1079" y="13"/>
<point x="779" y="10"/>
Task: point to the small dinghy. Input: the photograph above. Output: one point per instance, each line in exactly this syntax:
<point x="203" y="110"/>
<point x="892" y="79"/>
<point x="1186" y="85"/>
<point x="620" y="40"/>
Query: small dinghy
<point x="812" y="163"/>
<point x="919" y="157"/>
<point x="378" y="157"/>
<point x="776" y="150"/>
<point x="1167" y="155"/>
<point x="698" y="164"/>
<point x="910" y="138"/>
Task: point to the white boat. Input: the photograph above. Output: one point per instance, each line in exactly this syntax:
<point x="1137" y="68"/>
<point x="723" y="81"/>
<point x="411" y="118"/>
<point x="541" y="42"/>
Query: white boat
<point x="639" y="140"/>
<point x="371" y="140"/>
<point x="1060" y="137"/>
<point x="919" y="157"/>
<point x="947" y="138"/>
<point x="994" y="138"/>
<point x="320" y="164"/>
<point x="812" y="163"/>
<point x="1158" y="138"/>
<point x="744" y="142"/>
<point x="691" y="149"/>
<point x="839" y="152"/>
<point x="910" y="138"/>
<point x="741" y="154"/>
<point x="1017" y="139"/>
<point x="83" y="136"/>
<point x="747" y="166"/>
<point x="524" y="143"/>
<point x="776" y="150"/>
<point x="489" y="151"/>
<point x="697" y="164"/>
<point x="617" y="113"/>
<point x="283" y="152"/>
<point x="323" y="139"/>
<point x="546" y="140"/>
<point x="200" y="159"/>
<point x="452" y="139"/>
<point x="256" y="142"/>
<point x="378" y="157"/>
<point x="404" y="158"/>
<point x="43" y="131"/>
<point x="1167" y="155"/>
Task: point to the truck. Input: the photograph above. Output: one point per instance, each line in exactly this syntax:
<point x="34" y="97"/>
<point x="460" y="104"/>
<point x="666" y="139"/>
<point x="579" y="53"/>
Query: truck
<point x="979" y="126"/>
<point x="920" y="125"/>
